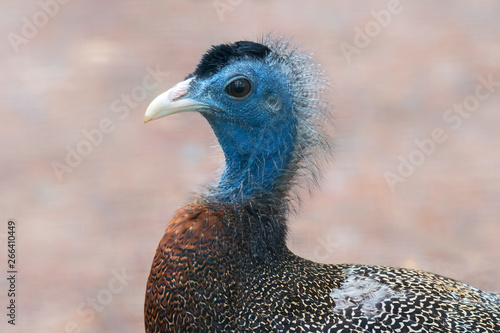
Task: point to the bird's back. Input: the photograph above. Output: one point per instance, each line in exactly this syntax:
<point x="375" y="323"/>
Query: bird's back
<point x="205" y="278"/>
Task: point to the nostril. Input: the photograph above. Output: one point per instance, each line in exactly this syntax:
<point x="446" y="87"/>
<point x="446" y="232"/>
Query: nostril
<point x="179" y="90"/>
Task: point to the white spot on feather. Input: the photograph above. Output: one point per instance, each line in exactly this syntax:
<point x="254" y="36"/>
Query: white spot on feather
<point x="363" y="293"/>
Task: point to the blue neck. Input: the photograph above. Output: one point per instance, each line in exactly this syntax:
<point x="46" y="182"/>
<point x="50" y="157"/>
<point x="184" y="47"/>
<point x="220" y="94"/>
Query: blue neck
<point x="256" y="157"/>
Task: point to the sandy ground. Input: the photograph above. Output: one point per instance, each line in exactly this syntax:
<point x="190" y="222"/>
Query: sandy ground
<point x="77" y="77"/>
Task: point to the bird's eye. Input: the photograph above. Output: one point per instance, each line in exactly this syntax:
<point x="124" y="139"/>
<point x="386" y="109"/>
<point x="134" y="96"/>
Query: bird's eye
<point x="238" y="88"/>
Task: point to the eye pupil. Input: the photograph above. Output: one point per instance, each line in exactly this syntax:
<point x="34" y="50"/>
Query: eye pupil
<point x="238" y="88"/>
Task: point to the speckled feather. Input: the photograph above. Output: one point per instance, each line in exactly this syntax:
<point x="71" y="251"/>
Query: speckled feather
<point x="205" y="277"/>
<point x="225" y="267"/>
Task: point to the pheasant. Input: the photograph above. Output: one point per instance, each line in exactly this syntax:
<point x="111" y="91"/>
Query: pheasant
<point x="223" y="264"/>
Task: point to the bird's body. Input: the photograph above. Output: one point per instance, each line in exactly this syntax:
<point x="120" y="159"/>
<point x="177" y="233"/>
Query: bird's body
<point x="223" y="265"/>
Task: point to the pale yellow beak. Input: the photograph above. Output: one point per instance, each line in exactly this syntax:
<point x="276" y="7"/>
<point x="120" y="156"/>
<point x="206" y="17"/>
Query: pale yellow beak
<point x="171" y="102"/>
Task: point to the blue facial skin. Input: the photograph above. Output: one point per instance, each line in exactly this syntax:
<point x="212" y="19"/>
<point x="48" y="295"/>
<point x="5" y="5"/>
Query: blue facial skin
<point x="257" y="133"/>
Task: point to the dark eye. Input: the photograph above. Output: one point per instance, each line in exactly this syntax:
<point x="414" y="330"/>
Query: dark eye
<point x="238" y="88"/>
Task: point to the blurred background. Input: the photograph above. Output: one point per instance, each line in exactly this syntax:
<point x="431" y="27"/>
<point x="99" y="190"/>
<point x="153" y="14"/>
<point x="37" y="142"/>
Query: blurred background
<point x="416" y="176"/>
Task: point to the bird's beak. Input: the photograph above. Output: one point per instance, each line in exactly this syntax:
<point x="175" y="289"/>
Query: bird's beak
<point x="172" y="101"/>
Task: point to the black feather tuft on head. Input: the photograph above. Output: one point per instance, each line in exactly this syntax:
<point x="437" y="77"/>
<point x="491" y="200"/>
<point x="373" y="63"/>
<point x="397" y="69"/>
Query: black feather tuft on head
<point x="221" y="55"/>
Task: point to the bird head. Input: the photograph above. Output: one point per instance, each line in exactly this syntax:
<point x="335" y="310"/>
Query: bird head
<point x="263" y="103"/>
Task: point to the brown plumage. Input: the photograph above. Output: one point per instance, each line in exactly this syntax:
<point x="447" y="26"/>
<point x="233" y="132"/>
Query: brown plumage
<point x="223" y="265"/>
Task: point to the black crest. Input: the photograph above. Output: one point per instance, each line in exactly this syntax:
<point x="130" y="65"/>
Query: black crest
<point x="218" y="56"/>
